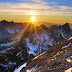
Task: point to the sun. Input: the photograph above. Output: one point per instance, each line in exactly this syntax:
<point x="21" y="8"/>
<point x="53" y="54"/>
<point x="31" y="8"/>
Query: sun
<point x="33" y="19"/>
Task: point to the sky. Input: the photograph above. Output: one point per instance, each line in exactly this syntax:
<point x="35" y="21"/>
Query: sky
<point x="44" y="10"/>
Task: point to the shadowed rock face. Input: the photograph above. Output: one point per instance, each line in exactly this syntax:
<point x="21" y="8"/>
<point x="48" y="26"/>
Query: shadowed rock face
<point x="31" y="44"/>
<point x="65" y="29"/>
<point x="9" y="30"/>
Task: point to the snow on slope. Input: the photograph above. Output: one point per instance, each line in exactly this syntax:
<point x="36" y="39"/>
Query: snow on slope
<point x="70" y="38"/>
<point x="20" y="67"/>
<point x="5" y="50"/>
<point x="66" y="46"/>
<point x="37" y="45"/>
<point x="40" y="42"/>
<point x="7" y="44"/>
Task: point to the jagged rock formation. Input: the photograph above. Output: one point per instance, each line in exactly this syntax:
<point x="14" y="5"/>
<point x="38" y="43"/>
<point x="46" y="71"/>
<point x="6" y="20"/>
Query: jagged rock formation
<point x="51" y="62"/>
<point x="9" y="30"/>
<point x="65" y="29"/>
<point x="32" y="44"/>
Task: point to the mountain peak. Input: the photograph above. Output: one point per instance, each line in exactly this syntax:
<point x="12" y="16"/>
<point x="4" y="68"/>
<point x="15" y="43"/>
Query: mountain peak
<point x="43" y="26"/>
<point x="4" y="21"/>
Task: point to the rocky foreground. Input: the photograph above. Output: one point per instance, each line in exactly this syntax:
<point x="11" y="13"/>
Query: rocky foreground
<point x="51" y="61"/>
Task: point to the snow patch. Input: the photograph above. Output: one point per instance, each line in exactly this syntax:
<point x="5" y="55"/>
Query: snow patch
<point x="66" y="46"/>
<point x="70" y="38"/>
<point x="20" y="67"/>
<point x="8" y="44"/>
<point x="5" y="50"/>
<point x="31" y="47"/>
<point x="18" y="53"/>
<point x="9" y="64"/>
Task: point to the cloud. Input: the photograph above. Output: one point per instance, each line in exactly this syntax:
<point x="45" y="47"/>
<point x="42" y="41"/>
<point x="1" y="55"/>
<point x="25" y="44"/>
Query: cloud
<point x="33" y="9"/>
<point x="39" y="1"/>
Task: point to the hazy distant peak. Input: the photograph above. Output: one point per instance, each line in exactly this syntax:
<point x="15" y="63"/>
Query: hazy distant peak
<point x="43" y="26"/>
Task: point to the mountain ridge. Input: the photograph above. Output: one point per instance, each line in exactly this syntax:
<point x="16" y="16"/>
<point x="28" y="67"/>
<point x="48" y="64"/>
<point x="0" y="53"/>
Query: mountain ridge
<point x="32" y="44"/>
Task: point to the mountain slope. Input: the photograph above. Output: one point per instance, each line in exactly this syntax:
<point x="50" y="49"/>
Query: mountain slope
<point x="51" y="61"/>
<point x="31" y="44"/>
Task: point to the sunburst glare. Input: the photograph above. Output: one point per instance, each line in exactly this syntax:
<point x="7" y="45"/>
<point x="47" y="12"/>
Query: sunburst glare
<point x="33" y="19"/>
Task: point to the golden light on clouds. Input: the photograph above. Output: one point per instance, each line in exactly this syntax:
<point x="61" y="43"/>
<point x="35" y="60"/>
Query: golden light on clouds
<point x="32" y="13"/>
<point x="22" y="12"/>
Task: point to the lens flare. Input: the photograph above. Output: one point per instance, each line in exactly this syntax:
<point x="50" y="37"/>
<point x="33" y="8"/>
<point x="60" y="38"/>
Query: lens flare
<point x="32" y="19"/>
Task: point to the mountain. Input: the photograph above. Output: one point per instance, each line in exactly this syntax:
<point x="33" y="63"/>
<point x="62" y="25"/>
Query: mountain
<point x="65" y="30"/>
<point x="51" y="61"/>
<point x="31" y="43"/>
<point x="9" y="30"/>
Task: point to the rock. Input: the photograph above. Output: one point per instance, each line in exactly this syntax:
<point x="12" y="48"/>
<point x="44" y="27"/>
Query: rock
<point x="65" y="29"/>
<point x="69" y="70"/>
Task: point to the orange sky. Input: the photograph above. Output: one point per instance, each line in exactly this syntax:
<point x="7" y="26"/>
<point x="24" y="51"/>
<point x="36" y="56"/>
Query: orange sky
<point x="41" y="18"/>
<point x="51" y="11"/>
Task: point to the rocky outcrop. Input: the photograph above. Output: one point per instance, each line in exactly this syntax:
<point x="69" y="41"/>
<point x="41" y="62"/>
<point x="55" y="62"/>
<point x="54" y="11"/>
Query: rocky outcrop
<point x="51" y="61"/>
<point x="32" y="43"/>
<point x="9" y="31"/>
<point x="65" y="29"/>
